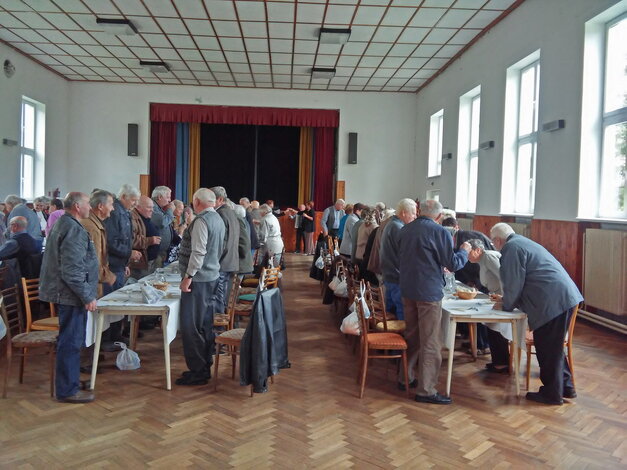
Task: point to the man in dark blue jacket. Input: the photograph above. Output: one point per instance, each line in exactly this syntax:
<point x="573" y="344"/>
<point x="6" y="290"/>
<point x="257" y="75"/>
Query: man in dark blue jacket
<point x="21" y="246"/>
<point x="425" y="249"/>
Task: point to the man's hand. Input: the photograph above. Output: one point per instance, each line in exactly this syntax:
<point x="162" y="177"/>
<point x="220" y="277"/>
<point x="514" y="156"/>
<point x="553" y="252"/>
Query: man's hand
<point x="153" y="241"/>
<point x="136" y="255"/>
<point x="466" y="247"/>
<point x="496" y="297"/>
<point x="168" y="207"/>
<point x="498" y="306"/>
<point x="127" y="271"/>
<point x="185" y="284"/>
<point x="91" y="306"/>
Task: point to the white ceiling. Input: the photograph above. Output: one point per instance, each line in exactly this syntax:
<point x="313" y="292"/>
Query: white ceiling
<point x="395" y="45"/>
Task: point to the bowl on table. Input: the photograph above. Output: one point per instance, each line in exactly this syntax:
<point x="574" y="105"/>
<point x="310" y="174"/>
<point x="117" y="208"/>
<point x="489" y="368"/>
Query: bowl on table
<point x="466" y="294"/>
<point x="160" y="285"/>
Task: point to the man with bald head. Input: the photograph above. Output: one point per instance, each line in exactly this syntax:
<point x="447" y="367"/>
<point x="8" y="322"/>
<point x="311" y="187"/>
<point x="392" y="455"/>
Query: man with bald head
<point x="21" y="245"/>
<point x="69" y="278"/>
<point x="199" y="263"/>
<point x="146" y="238"/>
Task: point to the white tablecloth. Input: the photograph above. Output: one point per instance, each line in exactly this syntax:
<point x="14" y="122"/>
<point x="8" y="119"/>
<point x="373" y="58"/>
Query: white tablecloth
<point x="130" y="295"/>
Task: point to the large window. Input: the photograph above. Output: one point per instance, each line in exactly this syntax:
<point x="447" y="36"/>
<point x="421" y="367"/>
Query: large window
<point x="32" y="149"/>
<point x="436" y="130"/>
<point x="468" y="151"/>
<point x="521" y="136"/>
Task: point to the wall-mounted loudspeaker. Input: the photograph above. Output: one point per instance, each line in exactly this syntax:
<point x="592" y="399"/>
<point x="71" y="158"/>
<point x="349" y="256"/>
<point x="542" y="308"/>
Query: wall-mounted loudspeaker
<point x="352" y="147"/>
<point x="132" y="139"/>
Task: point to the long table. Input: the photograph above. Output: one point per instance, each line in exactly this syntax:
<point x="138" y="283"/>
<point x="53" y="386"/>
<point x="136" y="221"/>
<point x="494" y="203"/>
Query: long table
<point x="481" y="310"/>
<point x="128" y="301"/>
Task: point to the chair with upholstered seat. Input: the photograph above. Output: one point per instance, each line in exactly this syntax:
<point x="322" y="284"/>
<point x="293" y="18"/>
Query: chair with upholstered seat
<point x="386" y="342"/>
<point x="568" y="344"/>
<point x="30" y="290"/>
<point x="381" y="320"/>
<point x="19" y="340"/>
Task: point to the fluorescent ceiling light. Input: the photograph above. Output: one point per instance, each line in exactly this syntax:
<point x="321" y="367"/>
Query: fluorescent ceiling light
<point x="334" y="35"/>
<point x="318" y="73"/>
<point x="117" y="26"/>
<point x="155" y="67"/>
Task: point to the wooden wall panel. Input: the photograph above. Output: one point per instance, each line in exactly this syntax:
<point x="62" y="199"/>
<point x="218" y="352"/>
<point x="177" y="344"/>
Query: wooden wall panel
<point x="562" y="239"/>
<point x="340" y="190"/>
<point x="144" y="185"/>
<point x="289" y="232"/>
<point x="483" y="223"/>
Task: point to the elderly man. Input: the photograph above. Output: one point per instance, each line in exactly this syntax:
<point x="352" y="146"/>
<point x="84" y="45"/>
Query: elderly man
<point x="22" y="247"/>
<point x="162" y="218"/>
<point x="536" y="283"/>
<point x="101" y="203"/>
<point x="229" y="261"/>
<point x="425" y="249"/>
<point x="199" y="263"/>
<point x="69" y="278"/>
<point x="146" y="238"/>
<point x="244" y="251"/>
<point x="40" y="205"/>
<point x="331" y="217"/>
<point x="16" y="206"/>
<point x="389" y="254"/>
<point x="346" y="247"/>
<point x="270" y="235"/>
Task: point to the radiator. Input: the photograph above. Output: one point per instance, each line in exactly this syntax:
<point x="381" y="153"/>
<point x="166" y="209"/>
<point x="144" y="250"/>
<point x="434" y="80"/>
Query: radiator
<point x="465" y="224"/>
<point x="605" y="271"/>
<point x="523" y="229"/>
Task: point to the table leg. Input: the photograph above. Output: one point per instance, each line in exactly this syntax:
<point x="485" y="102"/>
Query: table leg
<point x="515" y="347"/>
<point x="166" y="350"/>
<point x="451" y="348"/>
<point x="134" y="321"/>
<point x="94" y="364"/>
<point x="472" y="334"/>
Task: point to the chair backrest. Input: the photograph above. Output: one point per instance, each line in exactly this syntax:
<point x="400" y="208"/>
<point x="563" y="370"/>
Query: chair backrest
<point x="232" y="299"/>
<point x="376" y="302"/>
<point x="571" y="325"/>
<point x="12" y="311"/>
<point x="363" y="321"/>
<point x="352" y="282"/>
<point x="30" y="290"/>
<point x="269" y="278"/>
<point x="330" y="243"/>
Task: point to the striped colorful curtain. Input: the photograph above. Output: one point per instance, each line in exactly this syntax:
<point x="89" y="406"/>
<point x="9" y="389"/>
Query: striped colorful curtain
<point x="305" y="166"/>
<point x="182" y="160"/>
<point x="194" y="160"/>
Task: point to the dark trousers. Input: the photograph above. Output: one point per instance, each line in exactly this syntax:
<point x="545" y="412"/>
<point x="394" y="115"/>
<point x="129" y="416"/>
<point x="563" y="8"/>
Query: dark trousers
<point x="114" y="332"/>
<point x="300" y="240"/>
<point x="482" y="336"/>
<point x="549" y="343"/>
<point x="72" y="325"/>
<point x="222" y="292"/>
<point x="499" y="348"/>
<point x="333" y="232"/>
<point x="196" y="317"/>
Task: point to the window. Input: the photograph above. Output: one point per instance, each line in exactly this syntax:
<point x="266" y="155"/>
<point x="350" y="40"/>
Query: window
<point x="521" y="136"/>
<point x="32" y="148"/>
<point x="604" y="116"/>
<point x="468" y="151"/>
<point x="433" y="194"/>
<point x="435" y="144"/>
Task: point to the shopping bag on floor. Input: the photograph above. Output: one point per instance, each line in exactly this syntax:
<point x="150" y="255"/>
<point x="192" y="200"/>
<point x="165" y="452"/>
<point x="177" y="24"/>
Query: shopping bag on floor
<point x="127" y="359"/>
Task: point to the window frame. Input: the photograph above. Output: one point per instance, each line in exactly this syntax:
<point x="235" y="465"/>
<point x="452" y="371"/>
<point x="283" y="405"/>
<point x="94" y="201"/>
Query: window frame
<point x="35" y="153"/>
<point x="466" y="190"/>
<point x="434" y="165"/>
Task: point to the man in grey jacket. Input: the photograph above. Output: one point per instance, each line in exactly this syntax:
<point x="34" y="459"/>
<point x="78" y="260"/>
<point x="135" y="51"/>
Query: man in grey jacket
<point x="162" y="218"/>
<point x="16" y="206"/>
<point x="69" y="278"/>
<point x="199" y="264"/>
<point x="536" y="283"/>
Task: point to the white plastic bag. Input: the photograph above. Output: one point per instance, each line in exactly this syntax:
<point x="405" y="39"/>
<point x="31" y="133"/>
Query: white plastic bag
<point x="127" y="359"/>
<point x="350" y="325"/>
<point x="319" y="262"/>
<point x="335" y="282"/>
<point x="341" y="289"/>
<point x="151" y="295"/>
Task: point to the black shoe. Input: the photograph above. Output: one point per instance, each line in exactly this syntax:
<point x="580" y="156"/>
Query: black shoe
<point x="189" y="373"/>
<point x="435" y="399"/>
<point x="539" y="398"/>
<point x="412" y="384"/>
<point x="192" y="379"/>
<point x="569" y="392"/>
<point x="109" y="346"/>
<point x="81" y="396"/>
<point x="490" y="367"/>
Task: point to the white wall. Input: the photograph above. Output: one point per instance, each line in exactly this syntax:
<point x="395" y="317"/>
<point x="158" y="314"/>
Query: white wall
<point x="555" y="27"/>
<point x="99" y="114"/>
<point x="40" y="84"/>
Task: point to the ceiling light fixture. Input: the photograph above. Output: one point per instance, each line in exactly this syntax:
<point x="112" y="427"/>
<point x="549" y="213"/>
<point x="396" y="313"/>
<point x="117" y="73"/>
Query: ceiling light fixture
<point x="334" y="35"/>
<point x="318" y="73"/>
<point x="117" y="26"/>
<point x="155" y="67"/>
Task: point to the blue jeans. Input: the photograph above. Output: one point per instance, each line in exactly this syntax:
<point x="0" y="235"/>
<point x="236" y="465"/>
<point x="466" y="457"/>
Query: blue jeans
<point x="72" y="325"/>
<point x="222" y="292"/>
<point x="393" y="300"/>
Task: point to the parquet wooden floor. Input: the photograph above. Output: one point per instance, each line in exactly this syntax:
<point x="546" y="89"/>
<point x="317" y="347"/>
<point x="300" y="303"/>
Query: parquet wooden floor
<point x="312" y="418"/>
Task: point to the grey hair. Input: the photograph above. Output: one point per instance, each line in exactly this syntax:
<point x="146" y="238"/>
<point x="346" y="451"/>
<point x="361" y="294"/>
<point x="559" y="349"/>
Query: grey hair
<point x="230" y="204"/>
<point x="431" y="208"/>
<point x="387" y="213"/>
<point x="501" y="230"/>
<point x="265" y="209"/>
<point x="407" y="205"/>
<point x="72" y="198"/>
<point x="245" y="199"/>
<point x="204" y="195"/>
<point x="240" y="211"/>
<point x="128" y="190"/>
<point x="220" y="192"/>
<point x="161" y="191"/>
<point x="14" y="200"/>
<point x="379" y="206"/>
<point x="340" y="201"/>
<point x="41" y="199"/>
<point x="99" y="197"/>
<point x="178" y="203"/>
<point x="476" y="243"/>
<point x="20" y="221"/>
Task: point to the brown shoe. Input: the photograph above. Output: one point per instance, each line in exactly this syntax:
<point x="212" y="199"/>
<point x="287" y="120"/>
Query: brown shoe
<point x="81" y="396"/>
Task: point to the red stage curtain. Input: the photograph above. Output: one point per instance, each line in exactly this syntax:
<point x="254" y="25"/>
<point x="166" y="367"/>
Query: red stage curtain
<point x="169" y="112"/>
<point x="324" y="161"/>
<point x="163" y="154"/>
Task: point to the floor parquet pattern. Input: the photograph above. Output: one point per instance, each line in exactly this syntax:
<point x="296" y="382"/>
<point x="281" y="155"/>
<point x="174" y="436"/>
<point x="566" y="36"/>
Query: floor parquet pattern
<point x="312" y="416"/>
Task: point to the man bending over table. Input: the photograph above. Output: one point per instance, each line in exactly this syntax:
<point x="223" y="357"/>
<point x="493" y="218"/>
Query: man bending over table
<point x="199" y="263"/>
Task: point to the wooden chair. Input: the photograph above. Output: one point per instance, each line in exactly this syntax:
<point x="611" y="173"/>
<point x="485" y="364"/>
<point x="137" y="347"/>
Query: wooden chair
<point x="19" y="340"/>
<point x="378" y="342"/>
<point x="381" y="320"/>
<point x="270" y="278"/>
<point x="568" y="343"/>
<point x="30" y="290"/>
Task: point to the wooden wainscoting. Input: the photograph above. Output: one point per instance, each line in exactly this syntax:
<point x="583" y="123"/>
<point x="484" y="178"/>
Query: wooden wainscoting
<point x="483" y="223"/>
